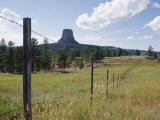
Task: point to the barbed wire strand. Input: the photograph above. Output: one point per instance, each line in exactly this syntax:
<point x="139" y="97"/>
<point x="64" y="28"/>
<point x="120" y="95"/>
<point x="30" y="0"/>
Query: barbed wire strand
<point x="31" y="30"/>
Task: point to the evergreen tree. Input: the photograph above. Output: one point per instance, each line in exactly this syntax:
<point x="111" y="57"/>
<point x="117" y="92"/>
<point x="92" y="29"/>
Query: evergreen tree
<point x="47" y="58"/>
<point x="150" y="51"/>
<point x="113" y="53"/>
<point x="79" y="63"/>
<point x="154" y="55"/>
<point x="98" y="54"/>
<point x="18" y="60"/>
<point x="119" y="52"/>
<point x="10" y="58"/>
<point x="3" y="48"/>
<point x="38" y="60"/>
<point x="86" y="54"/>
<point x="34" y="45"/>
<point x="62" y="58"/>
<point x="137" y="52"/>
<point x="108" y="54"/>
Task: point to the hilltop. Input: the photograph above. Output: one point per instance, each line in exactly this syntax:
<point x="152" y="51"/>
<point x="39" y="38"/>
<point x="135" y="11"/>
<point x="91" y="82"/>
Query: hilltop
<point x="68" y="41"/>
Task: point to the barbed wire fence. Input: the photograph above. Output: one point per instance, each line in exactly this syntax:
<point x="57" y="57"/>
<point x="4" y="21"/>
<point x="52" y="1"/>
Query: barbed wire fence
<point x="28" y="114"/>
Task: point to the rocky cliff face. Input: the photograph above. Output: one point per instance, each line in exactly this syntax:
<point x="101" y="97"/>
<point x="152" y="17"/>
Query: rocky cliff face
<point x="67" y="37"/>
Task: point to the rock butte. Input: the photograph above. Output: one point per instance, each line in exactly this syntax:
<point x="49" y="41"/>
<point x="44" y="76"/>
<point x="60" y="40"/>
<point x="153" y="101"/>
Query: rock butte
<point x="67" y="37"/>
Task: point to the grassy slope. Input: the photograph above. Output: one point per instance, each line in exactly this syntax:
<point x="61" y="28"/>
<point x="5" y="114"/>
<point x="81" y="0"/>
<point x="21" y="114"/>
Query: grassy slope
<point x="137" y="98"/>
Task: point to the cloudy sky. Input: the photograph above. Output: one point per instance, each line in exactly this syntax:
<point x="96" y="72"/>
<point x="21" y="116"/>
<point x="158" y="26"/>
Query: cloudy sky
<point x="133" y="24"/>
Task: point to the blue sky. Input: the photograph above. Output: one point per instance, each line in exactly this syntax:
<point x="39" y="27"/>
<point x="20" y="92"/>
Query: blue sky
<point x="122" y="23"/>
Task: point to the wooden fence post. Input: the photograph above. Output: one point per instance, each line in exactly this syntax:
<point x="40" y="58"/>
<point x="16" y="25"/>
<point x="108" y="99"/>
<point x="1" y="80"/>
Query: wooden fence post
<point x="92" y="82"/>
<point x="117" y="80"/>
<point x="107" y="83"/>
<point x="113" y="80"/>
<point x="27" y="54"/>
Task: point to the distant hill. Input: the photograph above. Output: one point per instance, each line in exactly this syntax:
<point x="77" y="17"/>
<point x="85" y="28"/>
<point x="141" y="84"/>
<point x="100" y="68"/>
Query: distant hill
<point x="68" y="41"/>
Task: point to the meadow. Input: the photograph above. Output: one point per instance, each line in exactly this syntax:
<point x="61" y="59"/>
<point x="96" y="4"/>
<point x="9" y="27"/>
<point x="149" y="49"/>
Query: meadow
<point x="138" y="97"/>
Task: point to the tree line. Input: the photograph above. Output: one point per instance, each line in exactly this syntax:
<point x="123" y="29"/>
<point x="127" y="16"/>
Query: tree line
<point x="11" y="56"/>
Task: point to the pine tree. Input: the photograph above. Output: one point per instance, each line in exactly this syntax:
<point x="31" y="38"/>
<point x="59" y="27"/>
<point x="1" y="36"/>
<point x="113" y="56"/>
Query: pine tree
<point x="62" y="58"/>
<point x="150" y="51"/>
<point x="34" y="44"/>
<point x="154" y="55"/>
<point x="18" y="60"/>
<point x="79" y="63"/>
<point x="3" y="48"/>
<point x="119" y="52"/>
<point x="113" y="53"/>
<point x="108" y="54"/>
<point x="10" y="57"/>
<point x="137" y="52"/>
<point x="98" y="54"/>
<point x="86" y="54"/>
<point x="38" y="60"/>
<point x="47" y="58"/>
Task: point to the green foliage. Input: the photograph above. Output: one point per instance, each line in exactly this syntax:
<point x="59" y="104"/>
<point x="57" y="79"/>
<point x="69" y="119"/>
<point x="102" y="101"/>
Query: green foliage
<point x="79" y="63"/>
<point x="62" y="58"/>
<point x="137" y="53"/>
<point x="113" y="53"/>
<point x="108" y="53"/>
<point x="98" y="54"/>
<point x="119" y="52"/>
<point x="3" y="48"/>
<point x="72" y="53"/>
<point x="18" y="60"/>
<point x="34" y="44"/>
<point x="92" y="52"/>
<point x="154" y="55"/>
<point x="150" y="51"/>
<point x="86" y="53"/>
<point x="47" y="58"/>
<point x="9" y="60"/>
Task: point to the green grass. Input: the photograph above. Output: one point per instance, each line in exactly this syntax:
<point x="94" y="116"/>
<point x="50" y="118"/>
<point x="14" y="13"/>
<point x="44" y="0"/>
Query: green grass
<point x="137" y="98"/>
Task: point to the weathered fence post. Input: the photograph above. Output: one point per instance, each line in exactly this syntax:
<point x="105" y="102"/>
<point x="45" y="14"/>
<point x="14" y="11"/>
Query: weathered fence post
<point x="113" y="80"/>
<point x="107" y="83"/>
<point x="117" y="80"/>
<point x="27" y="68"/>
<point x="92" y="82"/>
<point x="123" y="77"/>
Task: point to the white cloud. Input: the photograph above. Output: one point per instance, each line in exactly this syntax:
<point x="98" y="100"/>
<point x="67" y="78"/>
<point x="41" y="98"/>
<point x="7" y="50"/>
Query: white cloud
<point x="130" y="37"/>
<point x="7" y="31"/>
<point x="5" y="12"/>
<point x="109" y="12"/>
<point x="156" y="5"/>
<point x="154" y="24"/>
<point x="146" y="37"/>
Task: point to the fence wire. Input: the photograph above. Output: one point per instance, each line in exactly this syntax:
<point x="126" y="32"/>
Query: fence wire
<point x="37" y="33"/>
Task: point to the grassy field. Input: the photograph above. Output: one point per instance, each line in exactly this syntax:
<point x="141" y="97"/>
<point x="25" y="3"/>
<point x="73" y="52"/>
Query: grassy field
<point x="138" y="98"/>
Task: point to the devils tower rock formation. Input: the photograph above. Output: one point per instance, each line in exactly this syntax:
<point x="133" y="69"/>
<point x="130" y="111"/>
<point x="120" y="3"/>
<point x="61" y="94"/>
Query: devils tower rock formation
<point x="67" y="37"/>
